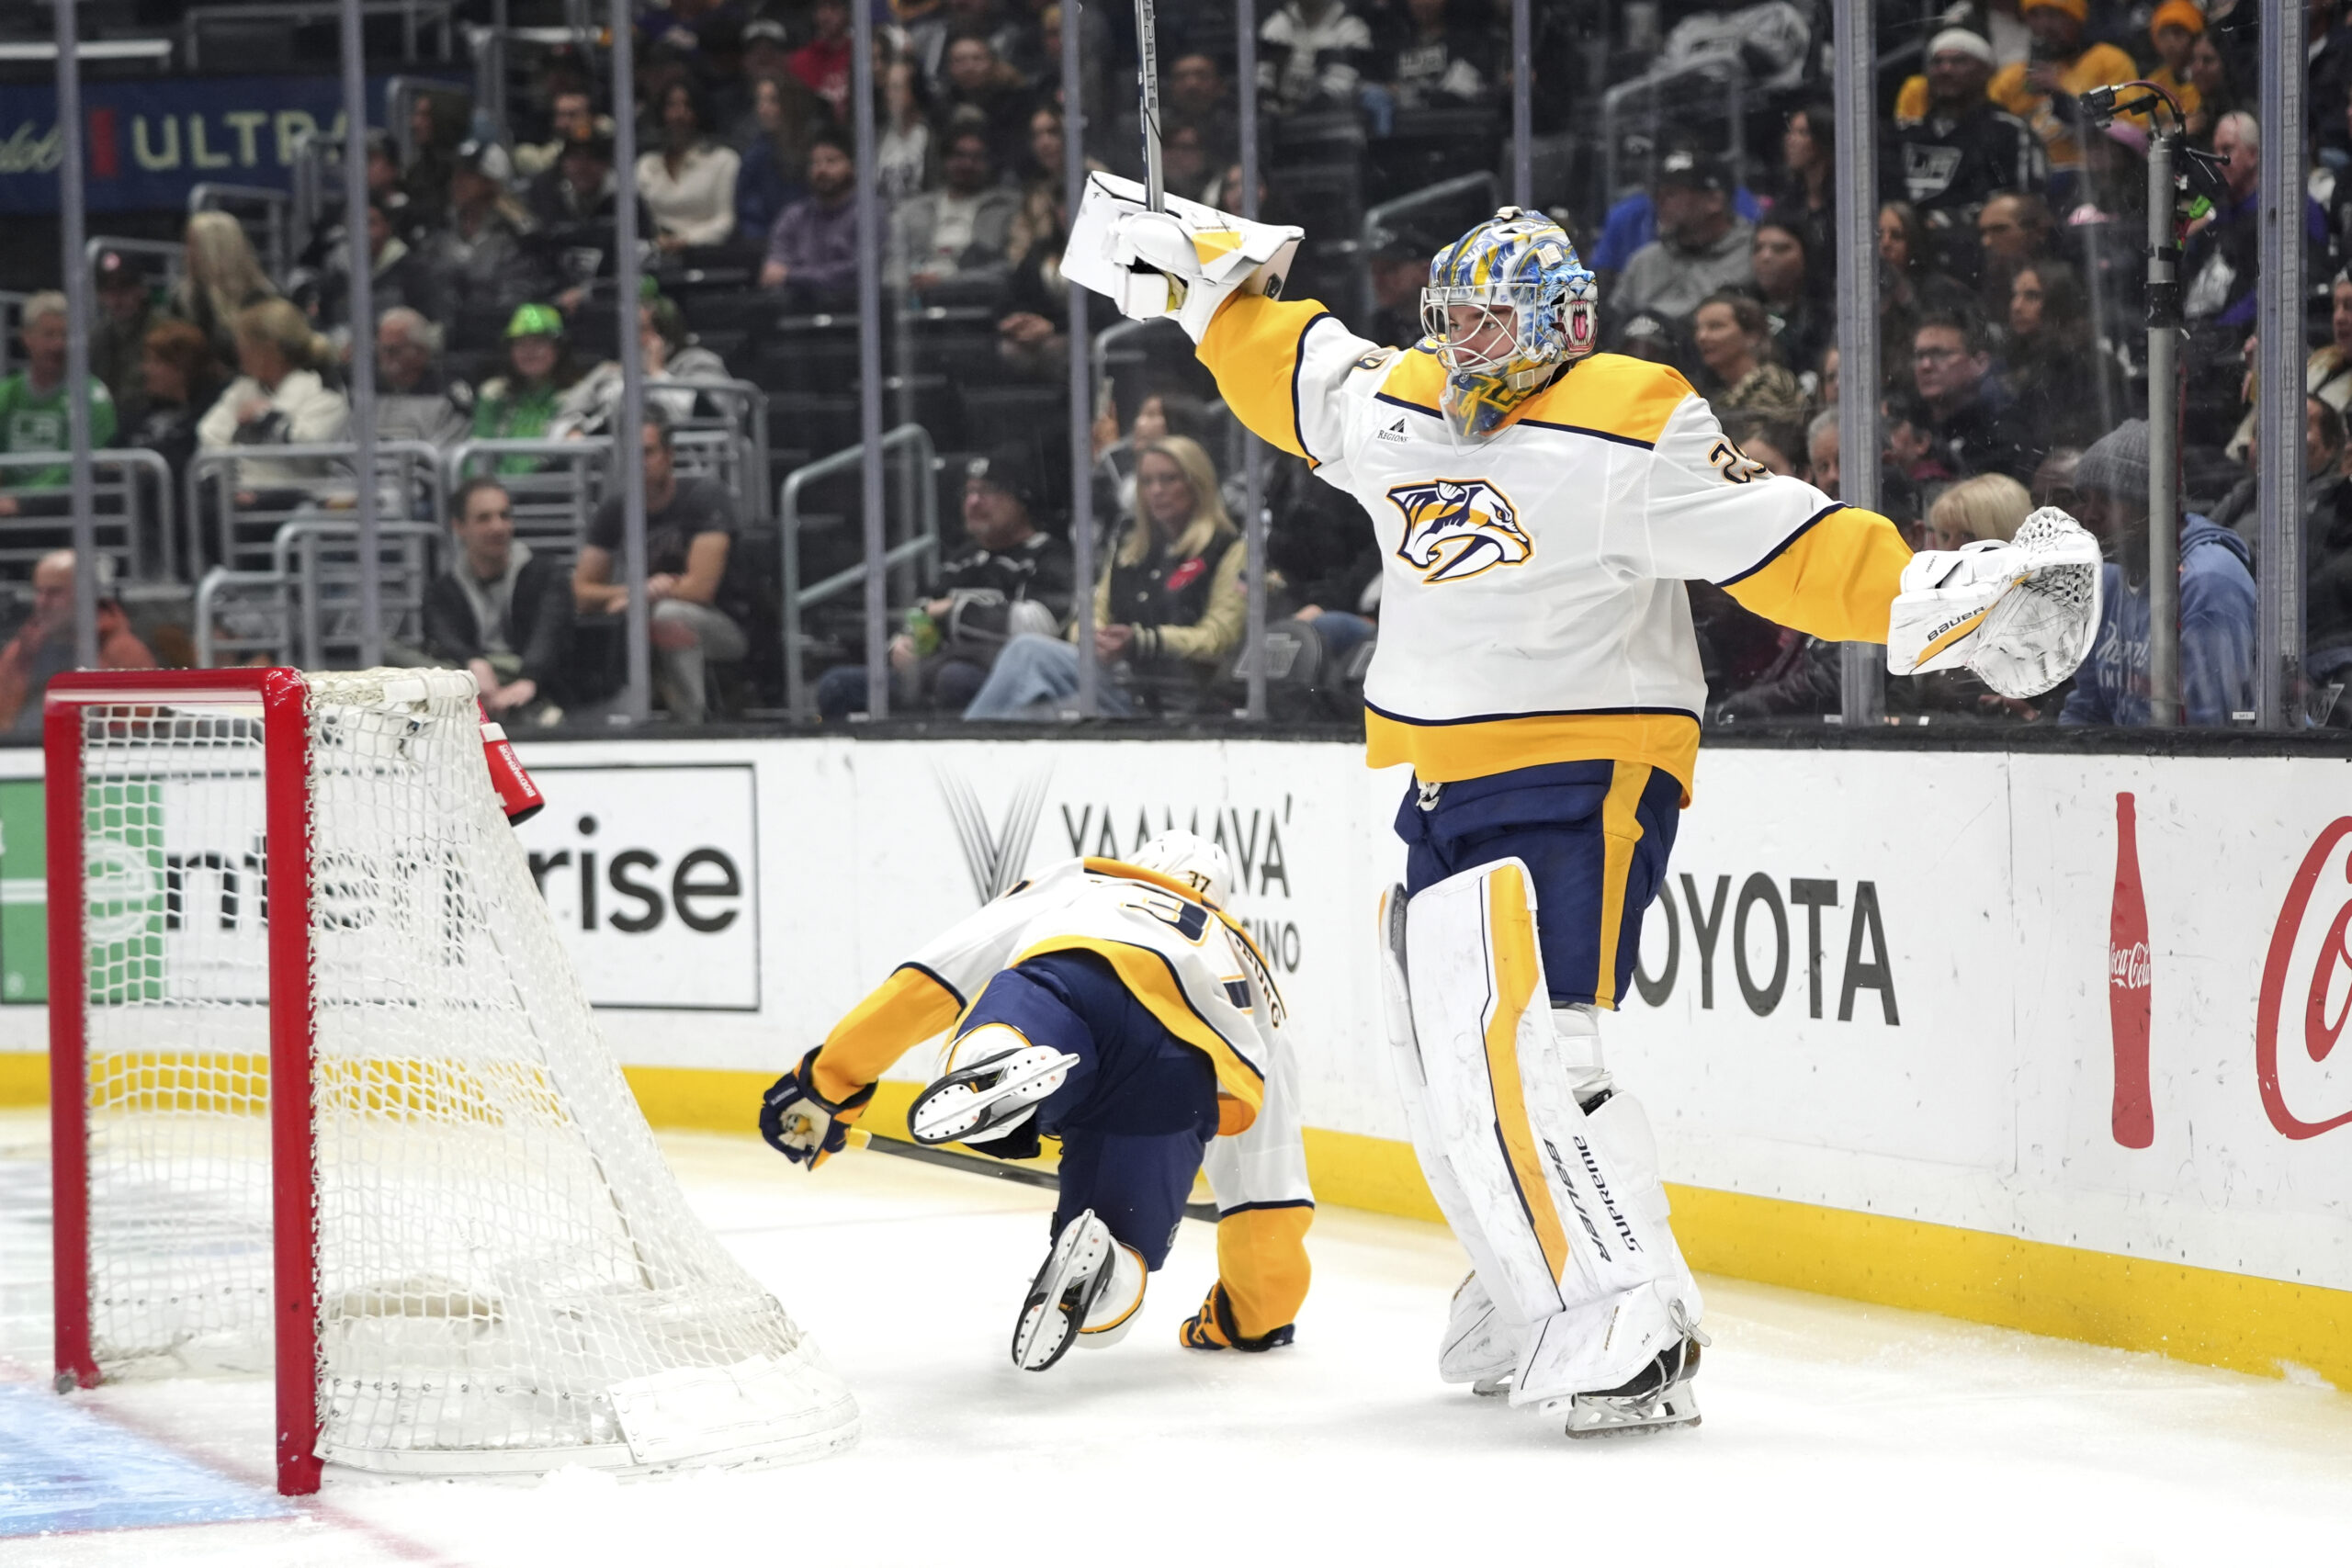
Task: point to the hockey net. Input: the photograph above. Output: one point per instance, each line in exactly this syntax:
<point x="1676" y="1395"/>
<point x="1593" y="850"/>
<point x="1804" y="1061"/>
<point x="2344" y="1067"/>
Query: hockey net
<point x="451" y="1237"/>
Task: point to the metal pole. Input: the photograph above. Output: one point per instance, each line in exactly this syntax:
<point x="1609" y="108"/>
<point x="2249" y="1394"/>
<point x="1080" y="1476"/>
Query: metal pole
<point x="1863" y="666"/>
<point x="1081" y="394"/>
<point x="1253" y="474"/>
<point x="1522" y="101"/>
<point x="2164" y="439"/>
<point x="2279" y="374"/>
<point x="362" y="302"/>
<point x="869" y="365"/>
<point x="70" y="198"/>
<point x="628" y="440"/>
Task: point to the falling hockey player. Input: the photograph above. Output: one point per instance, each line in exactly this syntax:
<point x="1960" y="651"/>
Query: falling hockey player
<point x="1113" y="1004"/>
<point x="1538" y="507"/>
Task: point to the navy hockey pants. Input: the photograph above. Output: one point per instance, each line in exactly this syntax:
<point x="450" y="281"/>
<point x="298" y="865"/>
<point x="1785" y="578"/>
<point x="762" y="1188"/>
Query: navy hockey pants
<point x="1595" y="837"/>
<point x="1137" y="1112"/>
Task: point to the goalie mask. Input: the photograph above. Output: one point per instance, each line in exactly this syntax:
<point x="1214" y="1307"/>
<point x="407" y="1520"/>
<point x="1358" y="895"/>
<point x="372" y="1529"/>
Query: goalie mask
<point x="1190" y="859"/>
<point x="1506" y="306"/>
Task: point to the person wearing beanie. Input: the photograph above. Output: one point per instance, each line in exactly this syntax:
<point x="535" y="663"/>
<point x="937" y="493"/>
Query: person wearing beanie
<point x="1013" y="578"/>
<point x="1963" y="148"/>
<point x="2175" y="28"/>
<point x="2043" y="90"/>
<point x="2217" y="600"/>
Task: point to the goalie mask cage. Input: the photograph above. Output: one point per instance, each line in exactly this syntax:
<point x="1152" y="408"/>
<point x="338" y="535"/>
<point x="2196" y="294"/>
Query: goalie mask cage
<point x="327" y="1098"/>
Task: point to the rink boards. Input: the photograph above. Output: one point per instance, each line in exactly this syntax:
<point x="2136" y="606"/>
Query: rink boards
<point x="1924" y="1028"/>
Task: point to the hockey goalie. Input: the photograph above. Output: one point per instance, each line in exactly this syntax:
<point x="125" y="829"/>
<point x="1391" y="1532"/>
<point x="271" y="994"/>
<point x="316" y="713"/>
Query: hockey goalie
<point x="1117" y="1006"/>
<point x="1539" y="507"/>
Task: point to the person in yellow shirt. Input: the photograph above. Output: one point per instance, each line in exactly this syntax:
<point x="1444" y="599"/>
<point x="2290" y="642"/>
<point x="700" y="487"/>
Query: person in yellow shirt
<point x="2041" y="89"/>
<point x="2174" y="29"/>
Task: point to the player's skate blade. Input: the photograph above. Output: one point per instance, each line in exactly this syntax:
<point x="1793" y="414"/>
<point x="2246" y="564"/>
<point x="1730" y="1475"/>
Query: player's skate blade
<point x="1656" y="1397"/>
<point x="1075" y="1274"/>
<point x="972" y="1103"/>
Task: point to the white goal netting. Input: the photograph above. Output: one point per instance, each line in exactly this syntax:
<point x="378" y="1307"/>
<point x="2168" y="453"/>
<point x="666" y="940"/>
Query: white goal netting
<point x="508" y="1276"/>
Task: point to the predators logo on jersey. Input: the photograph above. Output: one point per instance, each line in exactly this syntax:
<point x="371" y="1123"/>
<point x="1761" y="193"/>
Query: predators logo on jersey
<point x="1458" y="528"/>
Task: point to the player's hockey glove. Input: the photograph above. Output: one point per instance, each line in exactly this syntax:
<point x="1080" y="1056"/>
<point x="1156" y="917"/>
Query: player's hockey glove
<point x="2020" y="614"/>
<point x="1184" y="262"/>
<point x="1212" y="1328"/>
<point x="802" y="1125"/>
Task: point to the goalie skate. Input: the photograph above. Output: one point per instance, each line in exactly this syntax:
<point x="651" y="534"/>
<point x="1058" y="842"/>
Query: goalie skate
<point x="1077" y="1274"/>
<point x="1657" y="1396"/>
<point x="975" y="1102"/>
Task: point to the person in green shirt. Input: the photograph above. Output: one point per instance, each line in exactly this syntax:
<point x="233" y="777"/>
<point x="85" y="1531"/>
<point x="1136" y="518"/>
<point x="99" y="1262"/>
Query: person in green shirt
<point x="33" y="415"/>
<point x="522" y="404"/>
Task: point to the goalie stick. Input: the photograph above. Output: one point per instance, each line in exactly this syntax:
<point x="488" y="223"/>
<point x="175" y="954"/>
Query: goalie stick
<point x="1155" y="184"/>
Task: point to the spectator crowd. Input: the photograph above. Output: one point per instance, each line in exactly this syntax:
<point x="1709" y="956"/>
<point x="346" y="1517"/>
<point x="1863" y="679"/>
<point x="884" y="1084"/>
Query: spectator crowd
<point x="2008" y="290"/>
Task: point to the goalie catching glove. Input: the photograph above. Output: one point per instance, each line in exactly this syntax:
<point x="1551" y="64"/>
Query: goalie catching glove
<point x="2021" y="614"/>
<point x="1184" y="262"/>
<point x="801" y="1124"/>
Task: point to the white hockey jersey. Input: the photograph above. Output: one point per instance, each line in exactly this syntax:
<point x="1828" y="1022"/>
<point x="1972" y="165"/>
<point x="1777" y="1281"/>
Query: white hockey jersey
<point x="1533" y="607"/>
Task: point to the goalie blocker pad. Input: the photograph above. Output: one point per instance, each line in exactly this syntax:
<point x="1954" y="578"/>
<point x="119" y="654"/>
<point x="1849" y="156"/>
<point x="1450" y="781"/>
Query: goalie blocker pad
<point x="1562" y="1213"/>
<point x="1185" y="262"/>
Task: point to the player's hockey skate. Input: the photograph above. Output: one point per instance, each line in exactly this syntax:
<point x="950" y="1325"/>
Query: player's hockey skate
<point x="1657" y="1396"/>
<point x="975" y="1102"/>
<point x="1090" y="1285"/>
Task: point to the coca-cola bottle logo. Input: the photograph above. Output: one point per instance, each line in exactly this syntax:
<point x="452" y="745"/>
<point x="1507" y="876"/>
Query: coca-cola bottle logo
<point x="2329" y="978"/>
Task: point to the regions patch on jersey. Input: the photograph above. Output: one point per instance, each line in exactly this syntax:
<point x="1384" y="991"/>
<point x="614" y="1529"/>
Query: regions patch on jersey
<point x="1458" y="528"/>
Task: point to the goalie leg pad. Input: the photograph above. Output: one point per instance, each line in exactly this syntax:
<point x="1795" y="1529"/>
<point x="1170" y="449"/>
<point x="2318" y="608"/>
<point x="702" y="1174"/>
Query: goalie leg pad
<point x="1571" y="1233"/>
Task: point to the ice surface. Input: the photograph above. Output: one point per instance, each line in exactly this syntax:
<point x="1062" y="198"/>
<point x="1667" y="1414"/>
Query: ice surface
<point x="1835" y="1433"/>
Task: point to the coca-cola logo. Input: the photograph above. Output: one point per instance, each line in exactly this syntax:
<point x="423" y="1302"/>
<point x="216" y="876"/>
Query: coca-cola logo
<point x="2323" y="969"/>
<point x="2127" y="967"/>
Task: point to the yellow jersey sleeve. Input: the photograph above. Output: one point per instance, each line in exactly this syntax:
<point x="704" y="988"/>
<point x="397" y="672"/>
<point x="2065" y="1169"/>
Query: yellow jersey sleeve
<point x="901" y="1013"/>
<point x="1279" y="365"/>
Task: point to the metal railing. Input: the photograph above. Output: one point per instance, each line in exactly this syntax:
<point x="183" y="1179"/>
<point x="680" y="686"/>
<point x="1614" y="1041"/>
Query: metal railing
<point x="412" y="468"/>
<point x="1723" y="70"/>
<point x="25" y="539"/>
<point x="744" y="410"/>
<point x="416" y="16"/>
<point x="173" y="253"/>
<point x="911" y="439"/>
<point x="1377" y="221"/>
<point x="314" y="570"/>
<point x="12" y="319"/>
<point x="238" y="201"/>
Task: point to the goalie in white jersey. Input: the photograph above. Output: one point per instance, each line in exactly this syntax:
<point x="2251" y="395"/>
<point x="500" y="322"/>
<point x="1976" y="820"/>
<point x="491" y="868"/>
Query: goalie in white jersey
<point x="1115" y="1005"/>
<point x="1539" y="507"/>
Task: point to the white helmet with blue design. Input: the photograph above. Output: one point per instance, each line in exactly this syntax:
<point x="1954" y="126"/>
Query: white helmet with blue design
<point x="1520" y="272"/>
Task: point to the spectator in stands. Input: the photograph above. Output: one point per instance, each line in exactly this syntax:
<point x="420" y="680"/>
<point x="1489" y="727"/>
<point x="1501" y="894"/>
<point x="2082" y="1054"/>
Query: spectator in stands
<point x="1031" y="332"/>
<point x="670" y="360"/>
<point x="500" y="611"/>
<point x="43" y="645"/>
<point x="2054" y="367"/>
<point x="574" y="211"/>
<point x="812" y="248"/>
<point x="1425" y="60"/>
<point x="1778" y="444"/>
<point x="1987" y="506"/>
<point x="902" y="141"/>
<point x="2327" y="374"/>
<point x="1964" y="148"/>
<point x="1094" y="61"/>
<point x="2044" y="89"/>
<point x="281" y="398"/>
<point x="2327" y="596"/>
<point x="1399" y="266"/>
<point x="775" y="153"/>
<point x="1160" y="413"/>
<point x="397" y="275"/>
<point x="823" y="62"/>
<point x="1168" y="608"/>
<point x="1701" y="245"/>
<point x="34" y="416"/>
<point x="572" y="116"/>
<point x="1807" y="195"/>
<point x="1740" y="373"/>
<point x="522" y="404"/>
<point x="119" y="336"/>
<point x="1197" y="90"/>
<point x="1632" y="223"/>
<point x="2216" y="81"/>
<point x="2012" y="229"/>
<point x="181" y="380"/>
<point x="1821" y="451"/>
<point x="1969" y="419"/>
<point x="477" y="264"/>
<point x="2216" y="603"/>
<point x="690" y="528"/>
<point x="1014" y="578"/>
<point x="1189" y="157"/>
<point x="383" y="185"/>
<point x="438" y="122"/>
<point x="1311" y="55"/>
<point x="222" y="278"/>
<point x="960" y="229"/>
<point x="2218" y="270"/>
<point x="2174" y="29"/>
<point x="1796" y="309"/>
<point x="688" y="182"/>
<point x="414" y="400"/>
<point x="978" y="88"/>
<point x="1909" y="285"/>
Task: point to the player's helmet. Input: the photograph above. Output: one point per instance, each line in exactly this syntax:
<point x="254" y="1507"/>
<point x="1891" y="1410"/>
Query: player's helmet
<point x="1521" y="271"/>
<point x="1188" y="858"/>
